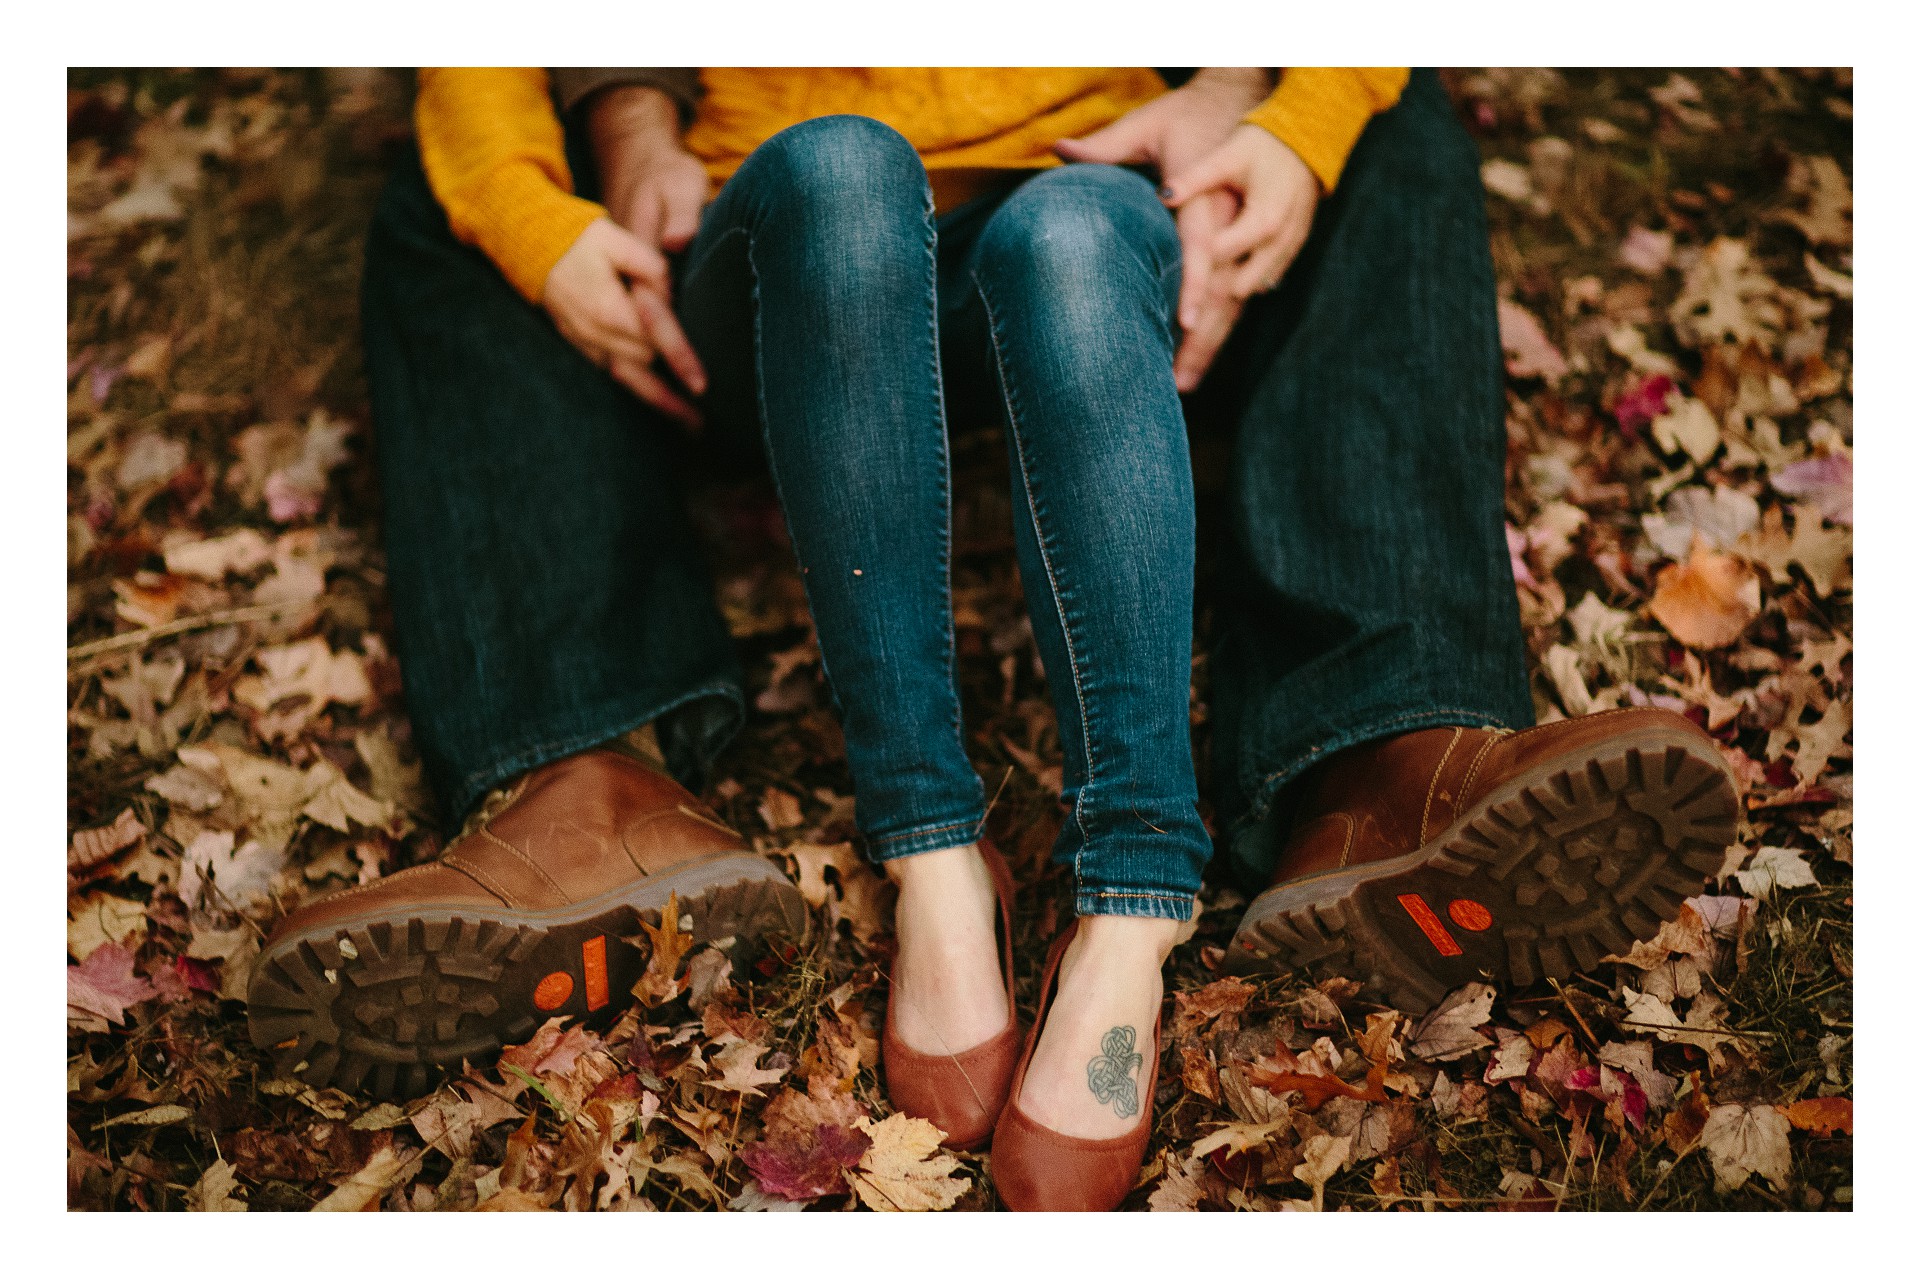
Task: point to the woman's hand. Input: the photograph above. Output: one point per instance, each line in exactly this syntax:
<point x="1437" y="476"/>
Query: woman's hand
<point x="607" y="295"/>
<point x="1277" y="194"/>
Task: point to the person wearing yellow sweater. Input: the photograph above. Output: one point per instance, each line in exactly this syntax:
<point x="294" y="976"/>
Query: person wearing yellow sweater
<point x="827" y="267"/>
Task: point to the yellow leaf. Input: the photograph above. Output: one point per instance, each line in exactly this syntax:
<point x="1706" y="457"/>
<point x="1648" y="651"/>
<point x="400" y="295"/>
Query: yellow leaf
<point x="904" y="1170"/>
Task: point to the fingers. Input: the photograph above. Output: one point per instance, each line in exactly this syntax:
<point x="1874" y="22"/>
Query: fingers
<point x="1217" y="312"/>
<point x="1254" y="228"/>
<point x="1125" y="141"/>
<point x="652" y="389"/>
<point x="680" y="199"/>
<point x="634" y="257"/>
<point x="670" y="339"/>
<point x="1222" y="167"/>
<point x="1197" y="224"/>
<point x="1264" y="267"/>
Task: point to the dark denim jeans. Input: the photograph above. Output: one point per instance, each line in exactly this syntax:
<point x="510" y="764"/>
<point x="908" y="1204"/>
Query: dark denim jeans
<point x="548" y="594"/>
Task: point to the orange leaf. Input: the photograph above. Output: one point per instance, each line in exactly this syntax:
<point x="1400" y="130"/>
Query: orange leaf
<point x="661" y="981"/>
<point x="1708" y="601"/>
<point x="1315" y="1089"/>
<point x="1822" y="1116"/>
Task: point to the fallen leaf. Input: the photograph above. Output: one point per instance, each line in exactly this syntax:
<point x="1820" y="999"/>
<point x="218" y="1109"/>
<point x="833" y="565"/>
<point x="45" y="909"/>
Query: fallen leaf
<point x="1707" y="602"/>
<point x="99" y="918"/>
<point x="1321" y="1156"/>
<point x="1529" y="352"/>
<point x="1744" y="1141"/>
<point x="801" y="1169"/>
<point x="89" y="848"/>
<point x="1822" y="1116"/>
<point x="739" y="1073"/>
<point x="1689" y="427"/>
<point x="904" y="1170"/>
<point x="379" y="1174"/>
<point x="669" y="943"/>
<point x="214" y="1191"/>
<point x="1820" y="551"/>
<point x="1646" y="251"/>
<point x="1449" y="1031"/>
<point x="1825" y="482"/>
<point x="212" y="559"/>
<point x="104" y="986"/>
<point x="1772" y="868"/>
<point x="1182" y="1188"/>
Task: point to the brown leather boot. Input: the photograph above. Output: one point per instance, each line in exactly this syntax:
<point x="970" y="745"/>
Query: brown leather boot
<point x="1428" y="860"/>
<point x="384" y="986"/>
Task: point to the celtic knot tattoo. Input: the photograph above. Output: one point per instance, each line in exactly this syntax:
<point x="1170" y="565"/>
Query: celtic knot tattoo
<point x="1110" y="1075"/>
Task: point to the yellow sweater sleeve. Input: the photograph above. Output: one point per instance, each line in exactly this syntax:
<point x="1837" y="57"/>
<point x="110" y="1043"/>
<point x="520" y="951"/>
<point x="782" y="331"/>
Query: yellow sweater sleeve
<point x="1320" y="111"/>
<point x="497" y="162"/>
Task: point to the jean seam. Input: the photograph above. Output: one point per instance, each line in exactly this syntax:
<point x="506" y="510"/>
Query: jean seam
<point x="922" y="831"/>
<point x="957" y="723"/>
<point x="1009" y="398"/>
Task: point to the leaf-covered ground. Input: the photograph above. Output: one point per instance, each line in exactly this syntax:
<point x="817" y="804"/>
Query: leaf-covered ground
<point x="1675" y="259"/>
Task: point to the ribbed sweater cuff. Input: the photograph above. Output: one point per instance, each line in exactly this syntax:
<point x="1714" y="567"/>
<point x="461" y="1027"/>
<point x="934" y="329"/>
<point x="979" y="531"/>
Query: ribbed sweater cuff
<point x="1320" y="113"/>
<point x="520" y="219"/>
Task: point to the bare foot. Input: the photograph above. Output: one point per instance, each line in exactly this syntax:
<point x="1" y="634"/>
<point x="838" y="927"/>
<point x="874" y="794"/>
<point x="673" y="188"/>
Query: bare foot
<point x="1088" y="1077"/>
<point x="948" y="994"/>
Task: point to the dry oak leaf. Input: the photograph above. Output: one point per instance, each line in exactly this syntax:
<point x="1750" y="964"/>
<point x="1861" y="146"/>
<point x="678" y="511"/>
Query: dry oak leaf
<point x="384" y="1169"/>
<point x="1773" y="868"/>
<point x="1314" y="1090"/>
<point x="211" y="560"/>
<point x="668" y="944"/>
<point x="1449" y="1031"/>
<point x="1530" y="353"/>
<point x="1182" y="1189"/>
<point x="1708" y="601"/>
<point x="1743" y="1141"/>
<point x="1725" y="298"/>
<point x="1827" y="217"/>
<point x="1320" y="1158"/>
<point x="1193" y="1009"/>
<point x="904" y="1170"/>
<point x="1822" y="1116"/>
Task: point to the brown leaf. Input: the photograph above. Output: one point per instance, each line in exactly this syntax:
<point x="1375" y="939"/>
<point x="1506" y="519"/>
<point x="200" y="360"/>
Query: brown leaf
<point x="91" y="847"/>
<point x="740" y="1073"/>
<point x="1197" y="1072"/>
<point x="1194" y="1009"/>
<point x="662" y="981"/>
<point x="1316" y="1089"/>
<point x="1320" y="1158"/>
<point x="1708" y="601"/>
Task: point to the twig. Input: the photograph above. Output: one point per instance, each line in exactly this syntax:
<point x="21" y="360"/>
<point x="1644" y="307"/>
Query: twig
<point x="1661" y="1180"/>
<point x="204" y="621"/>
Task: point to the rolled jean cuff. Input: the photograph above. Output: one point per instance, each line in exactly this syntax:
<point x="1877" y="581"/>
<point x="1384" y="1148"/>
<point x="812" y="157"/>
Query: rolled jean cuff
<point x="1136" y="902"/>
<point x="924" y="839"/>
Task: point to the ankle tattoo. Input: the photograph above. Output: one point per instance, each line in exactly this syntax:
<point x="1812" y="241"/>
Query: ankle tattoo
<point x="1110" y="1075"/>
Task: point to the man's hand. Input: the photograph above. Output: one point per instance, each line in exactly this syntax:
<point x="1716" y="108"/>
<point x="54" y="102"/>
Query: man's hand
<point x="1174" y="133"/>
<point x="650" y="183"/>
<point x="607" y="296"/>
<point x="1277" y="194"/>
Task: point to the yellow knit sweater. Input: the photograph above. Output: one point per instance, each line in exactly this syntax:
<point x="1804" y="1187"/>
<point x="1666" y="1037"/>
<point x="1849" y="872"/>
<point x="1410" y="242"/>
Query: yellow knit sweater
<point x="493" y="151"/>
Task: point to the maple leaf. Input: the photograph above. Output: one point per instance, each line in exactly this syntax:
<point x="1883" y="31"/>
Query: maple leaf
<point x="668" y="944"/>
<point x="1449" y="1030"/>
<point x="214" y="1191"/>
<point x="794" y="1115"/>
<point x="1773" y="868"/>
<point x="1744" y="1141"/>
<point x="1194" y="1009"/>
<point x="1182" y="1188"/>
<point x="1822" y="1116"/>
<point x="104" y="986"/>
<point x="806" y="1168"/>
<point x="1707" y="601"/>
<point x="739" y="1073"/>
<point x="904" y="1170"/>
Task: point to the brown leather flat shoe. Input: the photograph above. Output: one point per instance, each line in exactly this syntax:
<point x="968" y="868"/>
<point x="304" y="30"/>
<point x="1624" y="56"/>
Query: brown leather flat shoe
<point x="385" y="986"/>
<point x="1428" y="860"/>
<point x="1036" y="1169"/>
<point x="961" y="1093"/>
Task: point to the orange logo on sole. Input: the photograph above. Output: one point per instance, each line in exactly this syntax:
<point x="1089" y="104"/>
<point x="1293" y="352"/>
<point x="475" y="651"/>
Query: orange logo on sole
<point x="554" y="990"/>
<point x="593" y="959"/>
<point x="1416" y="906"/>
<point x="1470" y="915"/>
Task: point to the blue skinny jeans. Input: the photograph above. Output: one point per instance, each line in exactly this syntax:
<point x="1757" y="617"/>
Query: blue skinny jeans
<point x="831" y="309"/>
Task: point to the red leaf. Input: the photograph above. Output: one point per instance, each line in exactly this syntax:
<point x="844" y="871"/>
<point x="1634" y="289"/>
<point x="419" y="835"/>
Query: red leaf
<point x="798" y="1170"/>
<point x="106" y="985"/>
<point x="1640" y="405"/>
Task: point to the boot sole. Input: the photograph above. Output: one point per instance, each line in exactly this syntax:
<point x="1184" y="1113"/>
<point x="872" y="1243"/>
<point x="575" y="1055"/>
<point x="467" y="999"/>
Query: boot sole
<point x="389" y="1002"/>
<point x="1569" y="862"/>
